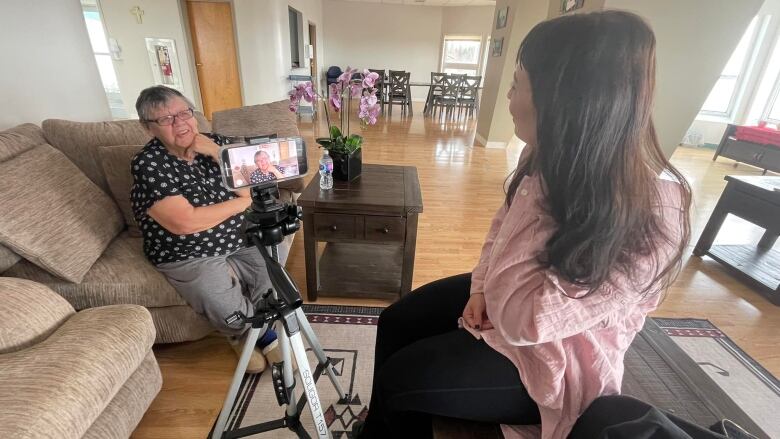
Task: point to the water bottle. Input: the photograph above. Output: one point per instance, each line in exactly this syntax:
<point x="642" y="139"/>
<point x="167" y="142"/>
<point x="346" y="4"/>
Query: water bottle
<point x="326" y="171"/>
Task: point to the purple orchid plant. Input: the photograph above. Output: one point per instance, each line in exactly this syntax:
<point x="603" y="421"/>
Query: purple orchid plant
<point x="340" y="140"/>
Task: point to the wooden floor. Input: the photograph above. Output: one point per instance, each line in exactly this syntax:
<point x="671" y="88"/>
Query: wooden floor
<point x="462" y="188"/>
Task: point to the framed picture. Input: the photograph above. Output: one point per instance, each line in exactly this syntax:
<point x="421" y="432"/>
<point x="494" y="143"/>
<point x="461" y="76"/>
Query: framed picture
<point x="501" y="17"/>
<point x="164" y="62"/>
<point x="570" y="5"/>
<point x="498" y="46"/>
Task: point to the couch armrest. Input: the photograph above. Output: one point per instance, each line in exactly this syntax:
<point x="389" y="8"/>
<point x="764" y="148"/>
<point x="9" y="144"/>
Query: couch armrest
<point x="29" y="313"/>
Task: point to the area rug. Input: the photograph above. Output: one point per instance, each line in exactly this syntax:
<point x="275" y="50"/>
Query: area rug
<point x="347" y="334"/>
<point x="753" y="388"/>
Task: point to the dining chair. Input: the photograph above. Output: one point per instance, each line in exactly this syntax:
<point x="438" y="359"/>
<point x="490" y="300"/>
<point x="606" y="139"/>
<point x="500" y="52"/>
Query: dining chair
<point x="468" y="97"/>
<point x="448" y="100"/>
<point x="436" y="88"/>
<point x="400" y="91"/>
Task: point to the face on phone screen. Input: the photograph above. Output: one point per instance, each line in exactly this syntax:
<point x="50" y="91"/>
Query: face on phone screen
<point x="252" y="165"/>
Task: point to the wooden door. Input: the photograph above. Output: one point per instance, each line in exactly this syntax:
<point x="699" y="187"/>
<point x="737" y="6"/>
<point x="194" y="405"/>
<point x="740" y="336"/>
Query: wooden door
<point x="211" y="28"/>
<point x="313" y="42"/>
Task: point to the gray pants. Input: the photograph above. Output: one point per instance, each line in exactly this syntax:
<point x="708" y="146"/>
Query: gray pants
<point x="218" y="286"/>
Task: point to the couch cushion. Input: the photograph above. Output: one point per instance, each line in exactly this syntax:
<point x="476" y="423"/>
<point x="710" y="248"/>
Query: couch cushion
<point x="29" y="312"/>
<point x="19" y="139"/>
<point x="80" y="141"/>
<point x="115" y="161"/>
<point x="176" y="324"/>
<point x="59" y="387"/>
<point x="274" y="117"/>
<point x="125" y="411"/>
<point x="53" y="215"/>
<point x="7" y="258"/>
<point x="121" y="275"/>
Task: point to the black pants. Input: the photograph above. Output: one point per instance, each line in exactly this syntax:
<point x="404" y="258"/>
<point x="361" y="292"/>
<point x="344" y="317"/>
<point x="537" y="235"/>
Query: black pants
<point x="425" y="366"/>
<point x="623" y="417"/>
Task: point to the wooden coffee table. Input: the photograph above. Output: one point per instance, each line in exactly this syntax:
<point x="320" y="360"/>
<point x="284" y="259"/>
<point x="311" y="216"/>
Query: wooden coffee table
<point x="369" y="230"/>
<point x="755" y="199"/>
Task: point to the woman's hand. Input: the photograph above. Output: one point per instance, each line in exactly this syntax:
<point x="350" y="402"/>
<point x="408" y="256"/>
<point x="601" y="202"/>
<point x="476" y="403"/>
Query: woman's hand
<point x="202" y="145"/>
<point x="277" y="173"/>
<point x="474" y="313"/>
<point x="243" y="192"/>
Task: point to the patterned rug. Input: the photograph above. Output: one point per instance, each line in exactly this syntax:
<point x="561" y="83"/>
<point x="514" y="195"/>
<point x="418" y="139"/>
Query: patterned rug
<point x="347" y="334"/>
<point x="748" y="384"/>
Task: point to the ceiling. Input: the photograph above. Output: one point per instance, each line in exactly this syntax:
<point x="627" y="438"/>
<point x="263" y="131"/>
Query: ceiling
<point x="433" y="2"/>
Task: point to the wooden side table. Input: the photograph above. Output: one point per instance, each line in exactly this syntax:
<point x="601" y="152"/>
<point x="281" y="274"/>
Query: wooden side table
<point x="757" y="200"/>
<point x="369" y="230"/>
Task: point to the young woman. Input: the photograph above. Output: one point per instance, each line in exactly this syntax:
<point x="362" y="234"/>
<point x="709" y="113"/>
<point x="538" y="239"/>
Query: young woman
<point x="590" y="235"/>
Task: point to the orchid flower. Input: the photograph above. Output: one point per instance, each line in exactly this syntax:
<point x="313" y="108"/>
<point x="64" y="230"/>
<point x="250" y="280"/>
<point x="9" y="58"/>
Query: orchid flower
<point x="335" y="96"/>
<point x="368" y="111"/>
<point x="345" y="77"/>
<point x="369" y="79"/>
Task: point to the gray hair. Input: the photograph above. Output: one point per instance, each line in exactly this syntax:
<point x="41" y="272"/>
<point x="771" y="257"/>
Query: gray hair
<point x="258" y="153"/>
<point x="155" y="97"/>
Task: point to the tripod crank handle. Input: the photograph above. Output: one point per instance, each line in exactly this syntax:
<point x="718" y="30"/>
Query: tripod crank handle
<point x="236" y="317"/>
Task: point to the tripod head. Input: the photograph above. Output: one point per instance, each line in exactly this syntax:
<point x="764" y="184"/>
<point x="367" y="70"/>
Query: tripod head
<point x="270" y="220"/>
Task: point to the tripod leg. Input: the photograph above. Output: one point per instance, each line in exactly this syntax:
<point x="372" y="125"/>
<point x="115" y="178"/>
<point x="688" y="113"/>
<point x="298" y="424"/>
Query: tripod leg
<point x="309" y="386"/>
<point x="315" y="345"/>
<point x="289" y="379"/>
<point x="238" y="376"/>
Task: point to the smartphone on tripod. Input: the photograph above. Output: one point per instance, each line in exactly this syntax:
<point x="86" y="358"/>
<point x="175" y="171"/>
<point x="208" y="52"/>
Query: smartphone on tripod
<point x="263" y="161"/>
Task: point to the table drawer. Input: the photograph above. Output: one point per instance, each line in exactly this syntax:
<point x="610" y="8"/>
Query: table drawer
<point x="328" y="226"/>
<point x="385" y="228"/>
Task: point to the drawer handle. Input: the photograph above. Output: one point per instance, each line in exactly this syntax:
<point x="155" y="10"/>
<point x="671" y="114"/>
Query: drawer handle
<point x="385" y="230"/>
<point x="333" y="228"/>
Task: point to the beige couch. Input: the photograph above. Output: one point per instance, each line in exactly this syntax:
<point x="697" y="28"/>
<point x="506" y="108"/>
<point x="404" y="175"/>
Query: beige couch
<point x="63" y="374"/>
<point x="67" y="224"/>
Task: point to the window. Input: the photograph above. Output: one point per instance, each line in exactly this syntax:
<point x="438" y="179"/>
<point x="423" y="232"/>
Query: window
<point x="461" y="55"/>
<point x="296" y="37"/>
<point x="97" y="37"/>
<point x="722" y="99"/>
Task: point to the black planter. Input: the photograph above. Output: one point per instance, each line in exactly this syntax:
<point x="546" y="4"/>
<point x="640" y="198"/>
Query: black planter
<point x="347" y="167"/>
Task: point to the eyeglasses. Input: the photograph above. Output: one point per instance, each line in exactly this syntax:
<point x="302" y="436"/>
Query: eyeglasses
<point x="168" y="120"/>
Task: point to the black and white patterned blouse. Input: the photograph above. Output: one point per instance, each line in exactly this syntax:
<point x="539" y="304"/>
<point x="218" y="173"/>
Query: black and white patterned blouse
<point x="259" y="176"/>
<point x="158" y="174"/>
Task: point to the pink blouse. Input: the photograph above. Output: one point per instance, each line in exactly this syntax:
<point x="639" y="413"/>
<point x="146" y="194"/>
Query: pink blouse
<point x="567" y="351"/>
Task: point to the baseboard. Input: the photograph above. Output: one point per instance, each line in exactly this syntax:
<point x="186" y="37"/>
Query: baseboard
<point x="489" y="145"/>
<point x="496" y="145"/>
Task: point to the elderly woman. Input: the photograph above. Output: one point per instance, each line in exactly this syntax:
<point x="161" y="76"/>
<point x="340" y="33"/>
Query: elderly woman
<point x="191" y="223"/>
<point x="265" y="170"/>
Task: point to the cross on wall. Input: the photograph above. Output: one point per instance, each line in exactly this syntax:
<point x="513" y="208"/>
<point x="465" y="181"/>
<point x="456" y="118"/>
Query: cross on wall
<point x="139" y="13"/>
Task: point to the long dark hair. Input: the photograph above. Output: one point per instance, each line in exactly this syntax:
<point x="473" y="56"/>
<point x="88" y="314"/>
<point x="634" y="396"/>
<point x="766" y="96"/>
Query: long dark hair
<point x="592" y="79"/>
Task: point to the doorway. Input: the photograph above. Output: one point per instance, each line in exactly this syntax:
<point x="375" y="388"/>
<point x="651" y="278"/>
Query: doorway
<point x="216" y="63"/>
<point x="313" y="65"/>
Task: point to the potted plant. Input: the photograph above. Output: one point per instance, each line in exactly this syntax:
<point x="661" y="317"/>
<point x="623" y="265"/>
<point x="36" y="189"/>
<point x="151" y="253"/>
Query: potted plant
<point x="344" y="148"/>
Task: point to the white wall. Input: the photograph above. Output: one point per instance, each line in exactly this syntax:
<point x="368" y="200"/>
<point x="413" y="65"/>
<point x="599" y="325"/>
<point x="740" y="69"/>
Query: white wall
<point x="161" y="19"/>
<point x="48" y="70"/>
<point x="384" y="36"/>
<point x="694" y="40"/>
<point x="467" y="20"/>
<point x="263" y="40"/>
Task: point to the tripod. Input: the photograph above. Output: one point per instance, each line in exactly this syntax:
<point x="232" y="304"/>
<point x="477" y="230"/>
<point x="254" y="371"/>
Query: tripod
<point x="269" y="222"/>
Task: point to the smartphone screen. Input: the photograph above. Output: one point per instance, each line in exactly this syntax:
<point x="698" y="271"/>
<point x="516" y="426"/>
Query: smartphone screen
<point x="266" y="162"/>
